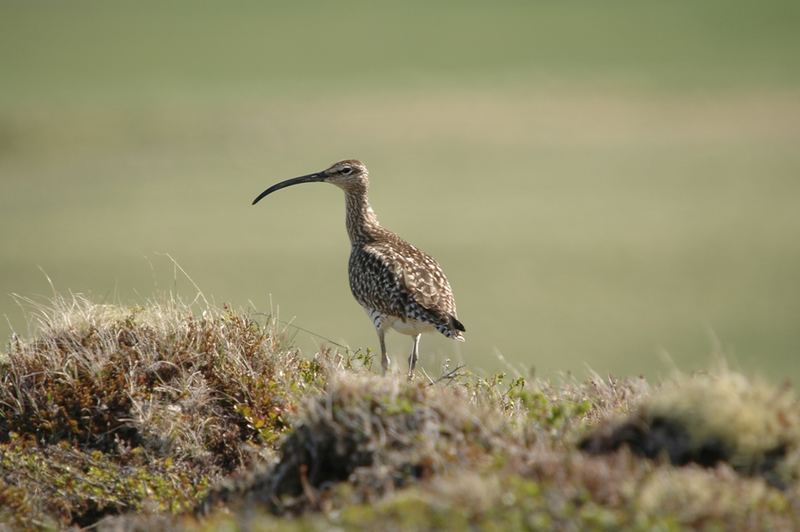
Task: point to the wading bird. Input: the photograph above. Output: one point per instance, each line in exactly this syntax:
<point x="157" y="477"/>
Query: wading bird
<point x="399" y="286"/>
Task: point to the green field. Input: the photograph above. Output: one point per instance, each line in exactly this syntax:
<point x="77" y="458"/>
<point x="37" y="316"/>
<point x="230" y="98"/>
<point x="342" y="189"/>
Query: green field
<point x="609" y="185"/>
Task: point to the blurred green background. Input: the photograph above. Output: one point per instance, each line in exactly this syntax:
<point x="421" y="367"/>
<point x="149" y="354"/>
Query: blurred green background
<point x="607" y="184"/>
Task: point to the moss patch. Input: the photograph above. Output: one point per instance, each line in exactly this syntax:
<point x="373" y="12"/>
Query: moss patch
<point x="62" y="485"/>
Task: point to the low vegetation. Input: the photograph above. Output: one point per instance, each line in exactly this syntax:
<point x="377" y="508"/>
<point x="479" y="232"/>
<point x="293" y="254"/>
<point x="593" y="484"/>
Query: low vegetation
<point x="168" y="417"/>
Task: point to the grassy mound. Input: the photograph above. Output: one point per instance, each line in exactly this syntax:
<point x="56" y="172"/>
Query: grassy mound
<point x="175" y="400"/>
<point x="161" y="418"/>
<point x="711" y="419"/>
<point x="378" y="435"/>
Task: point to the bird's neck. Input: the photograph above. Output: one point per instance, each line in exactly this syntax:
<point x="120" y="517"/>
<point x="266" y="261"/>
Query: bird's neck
<point x="362" y="224"/>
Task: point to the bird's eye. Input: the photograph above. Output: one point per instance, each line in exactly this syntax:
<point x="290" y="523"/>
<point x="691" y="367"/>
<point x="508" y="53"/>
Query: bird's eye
<point x="347" y="170"/>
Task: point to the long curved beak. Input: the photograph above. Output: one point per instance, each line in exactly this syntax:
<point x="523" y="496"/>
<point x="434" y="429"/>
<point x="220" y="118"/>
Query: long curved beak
<point x="310" y="178"/>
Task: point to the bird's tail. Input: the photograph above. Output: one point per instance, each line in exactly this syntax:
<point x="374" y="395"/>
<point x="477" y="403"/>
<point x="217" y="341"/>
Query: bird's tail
<point x="454" y="329"/>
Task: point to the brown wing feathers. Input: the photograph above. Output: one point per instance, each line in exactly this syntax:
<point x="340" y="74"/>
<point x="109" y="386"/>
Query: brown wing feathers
<point x="400" y="280"/>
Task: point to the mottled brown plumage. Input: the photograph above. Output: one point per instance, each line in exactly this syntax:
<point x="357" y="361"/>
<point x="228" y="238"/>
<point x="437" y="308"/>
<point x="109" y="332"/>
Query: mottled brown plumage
<point x="399" y="285"/>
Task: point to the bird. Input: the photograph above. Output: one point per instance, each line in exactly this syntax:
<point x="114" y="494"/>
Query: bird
<point x="399" y="286"/>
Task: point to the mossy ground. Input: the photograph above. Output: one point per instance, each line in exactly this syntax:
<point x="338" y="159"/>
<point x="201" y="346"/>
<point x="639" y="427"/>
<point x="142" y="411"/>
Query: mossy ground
<point x="162" y="418"/>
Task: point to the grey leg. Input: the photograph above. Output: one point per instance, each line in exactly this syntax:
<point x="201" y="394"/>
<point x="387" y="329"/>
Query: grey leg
<point x="385" y="362"/>
<point x="412" y="358"/>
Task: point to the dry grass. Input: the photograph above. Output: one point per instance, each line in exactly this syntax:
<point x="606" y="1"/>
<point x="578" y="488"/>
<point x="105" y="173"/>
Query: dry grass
<point x="209" y="393"/>
<point x="161" y="418"/>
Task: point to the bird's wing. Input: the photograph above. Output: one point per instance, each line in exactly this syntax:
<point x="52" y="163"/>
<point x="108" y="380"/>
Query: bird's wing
<point x="417" y="281"/>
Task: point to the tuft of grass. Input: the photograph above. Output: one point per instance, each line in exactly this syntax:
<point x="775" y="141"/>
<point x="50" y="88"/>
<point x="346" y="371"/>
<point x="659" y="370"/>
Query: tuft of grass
<point x="207" y="393"/>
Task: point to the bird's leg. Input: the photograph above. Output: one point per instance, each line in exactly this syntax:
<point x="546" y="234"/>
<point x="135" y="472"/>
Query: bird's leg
<point x="385" y="362"/>
<point x="412" y="358"/>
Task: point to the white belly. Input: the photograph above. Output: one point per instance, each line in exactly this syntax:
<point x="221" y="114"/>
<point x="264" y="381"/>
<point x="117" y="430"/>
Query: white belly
<point x="411" y="327"/>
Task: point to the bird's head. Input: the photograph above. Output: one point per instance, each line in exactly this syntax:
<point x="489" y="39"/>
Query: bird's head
<point x="349" y="175"/>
